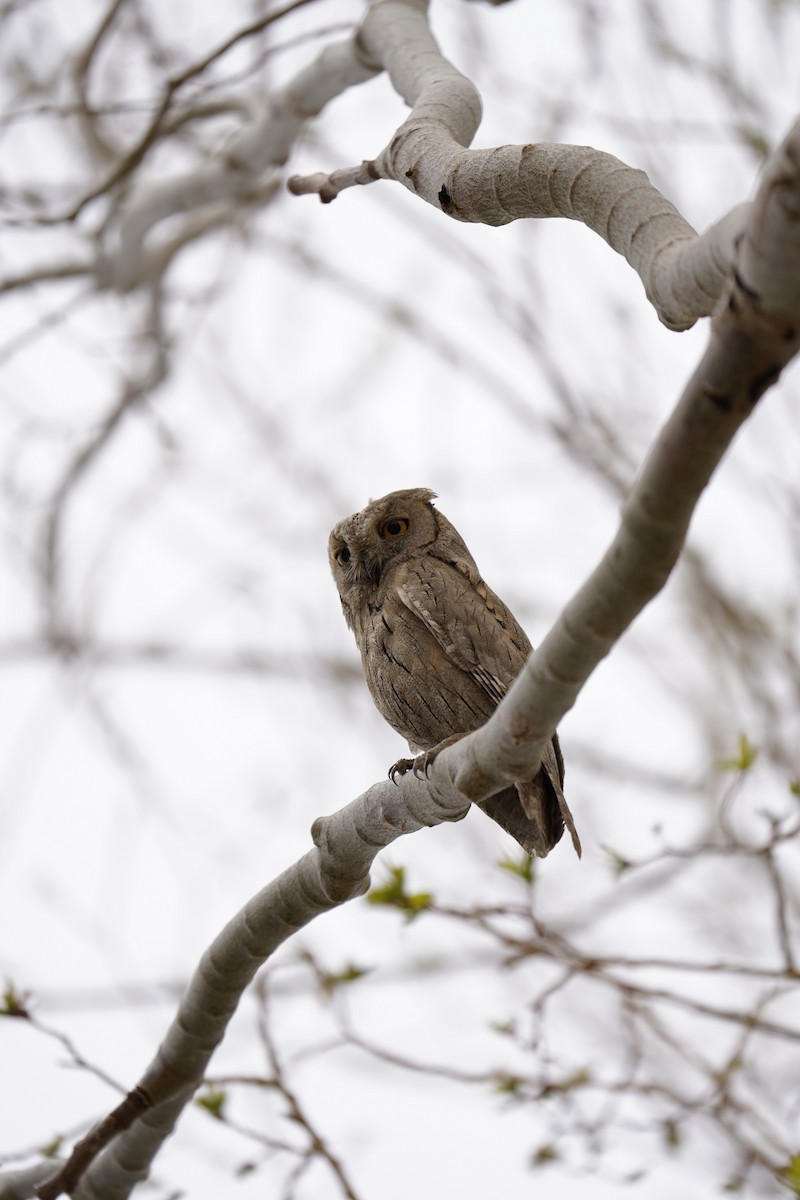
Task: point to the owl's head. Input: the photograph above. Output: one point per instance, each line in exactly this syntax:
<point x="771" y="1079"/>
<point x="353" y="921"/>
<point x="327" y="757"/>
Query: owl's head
<point x="399" y="525"/>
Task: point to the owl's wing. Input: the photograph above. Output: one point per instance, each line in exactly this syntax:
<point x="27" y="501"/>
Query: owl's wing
<point x="483" y="638"/>
<point x="471" y="624"/>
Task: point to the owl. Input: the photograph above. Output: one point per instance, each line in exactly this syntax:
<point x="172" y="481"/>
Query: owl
<point x="439" y="649"/>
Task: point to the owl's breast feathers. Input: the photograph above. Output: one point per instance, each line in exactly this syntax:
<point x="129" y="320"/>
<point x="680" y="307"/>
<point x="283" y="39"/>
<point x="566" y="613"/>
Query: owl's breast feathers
<point x="439" y="649"/>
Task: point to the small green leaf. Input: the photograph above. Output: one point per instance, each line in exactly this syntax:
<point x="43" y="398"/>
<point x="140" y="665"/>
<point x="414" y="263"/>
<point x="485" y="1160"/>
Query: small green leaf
<point x="213" y="1101"/>
<point x="743" y="759"/>
<point x="506" y="1084"/>
<point x="52" y="1148"/>
<point x="794" y="787"/>
<point x="418" y="903"/>
<point x="791" y="1173"/>
<point x="349" y="974"/>
<point x="521" y="867"/>
<point x="579" y="1077"/>
<point x="505" y="1028"/>
<point x="754" y="139"/>
<point x="14" y="1003"/>
<point x="618" y="864"/>
<point x="393" y="892"/>
<point x="734" y="1184"/>
<point x="672" y="1134"/>
<point x="576" y="1078"/>
<point x="544" y="1155"/>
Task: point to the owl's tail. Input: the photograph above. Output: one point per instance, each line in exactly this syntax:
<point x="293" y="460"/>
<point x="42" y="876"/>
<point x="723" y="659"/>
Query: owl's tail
<point x="535" y="813"/>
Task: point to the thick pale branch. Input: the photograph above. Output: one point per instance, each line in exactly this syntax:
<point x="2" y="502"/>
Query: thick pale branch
<point x="770" y="242"/>
<point x="752" y="340"/>
<point x="745" y="356"/>
<point x="685" y="276"/>
<point x="336" y="871"/>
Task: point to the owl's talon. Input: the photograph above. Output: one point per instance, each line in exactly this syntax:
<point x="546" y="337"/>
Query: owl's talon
<point x="400" y="767"/>
<point x="422" y="764"/>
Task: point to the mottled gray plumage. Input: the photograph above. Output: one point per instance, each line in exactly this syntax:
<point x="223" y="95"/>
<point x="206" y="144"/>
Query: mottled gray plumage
<point x="438" y="647"/>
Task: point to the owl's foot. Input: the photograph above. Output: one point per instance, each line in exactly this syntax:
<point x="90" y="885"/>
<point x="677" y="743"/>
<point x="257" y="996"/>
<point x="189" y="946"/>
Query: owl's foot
<point x="400" y="767"/>
<point x="421" y="765"/>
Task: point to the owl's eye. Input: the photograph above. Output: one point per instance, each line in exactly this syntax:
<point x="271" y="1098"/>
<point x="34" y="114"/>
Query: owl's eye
<point x="393" y="528"/>
<point x="343" y="556"/>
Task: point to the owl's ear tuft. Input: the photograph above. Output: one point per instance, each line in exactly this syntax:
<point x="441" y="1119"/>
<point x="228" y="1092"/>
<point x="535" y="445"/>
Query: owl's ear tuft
<point x="425" y="495"/>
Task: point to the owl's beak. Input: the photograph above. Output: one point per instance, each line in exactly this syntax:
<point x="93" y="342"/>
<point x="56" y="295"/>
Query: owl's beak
<point x="373" y="570"/>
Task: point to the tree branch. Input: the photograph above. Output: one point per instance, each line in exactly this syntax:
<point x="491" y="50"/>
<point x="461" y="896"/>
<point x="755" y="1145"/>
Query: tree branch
<point x="334" y="872"/>
<point x="685" y="276"/>
<point x="19" y="1183"/>
<point x="237" y="170"/>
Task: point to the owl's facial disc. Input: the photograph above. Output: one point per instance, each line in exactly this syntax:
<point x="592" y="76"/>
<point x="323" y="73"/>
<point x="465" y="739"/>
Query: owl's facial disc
<point x="356" y="564"/>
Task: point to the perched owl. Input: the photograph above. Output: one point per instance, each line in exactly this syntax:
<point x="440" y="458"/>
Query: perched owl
<point x="438" y="647"/>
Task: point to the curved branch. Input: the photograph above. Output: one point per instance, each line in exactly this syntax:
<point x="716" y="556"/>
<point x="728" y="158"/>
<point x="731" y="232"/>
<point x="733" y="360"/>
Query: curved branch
<point x="685" y="276"/>
<point x="133" y="392"/>
<point x="334" y="872"/>
<point x="65" y="270"/>
<point x="751" y="342"/>
<point x="93" y="135"/>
